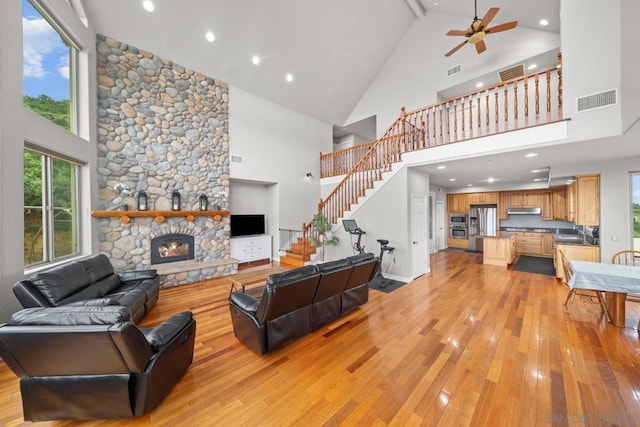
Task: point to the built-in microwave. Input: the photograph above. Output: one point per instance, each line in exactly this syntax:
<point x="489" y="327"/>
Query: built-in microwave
<point x="457" y="232"/>
<point x="458" y="219"/>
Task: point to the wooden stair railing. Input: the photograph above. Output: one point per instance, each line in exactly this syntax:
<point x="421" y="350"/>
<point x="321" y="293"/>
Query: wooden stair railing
<point x="435" y="125"/>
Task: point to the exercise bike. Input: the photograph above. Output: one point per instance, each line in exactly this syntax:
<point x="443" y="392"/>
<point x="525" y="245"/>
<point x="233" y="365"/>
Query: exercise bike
<point x="352" y="228"/>
<point x="384" y="247"/>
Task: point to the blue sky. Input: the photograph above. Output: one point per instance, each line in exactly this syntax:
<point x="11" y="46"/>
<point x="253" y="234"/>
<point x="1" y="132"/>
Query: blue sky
<point x="45" y="57"/>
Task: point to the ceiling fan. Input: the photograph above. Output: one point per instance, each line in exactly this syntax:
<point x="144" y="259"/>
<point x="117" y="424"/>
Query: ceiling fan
<point x="478" y="29"/>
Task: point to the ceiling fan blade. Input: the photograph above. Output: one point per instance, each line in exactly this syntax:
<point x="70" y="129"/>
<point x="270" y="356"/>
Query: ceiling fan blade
<point x="488" y="17"/>
<point x="457" y="33"/>
<point x="502" y="27"/>
<point x="455" y="49"/>
<point x="481" y="46"/>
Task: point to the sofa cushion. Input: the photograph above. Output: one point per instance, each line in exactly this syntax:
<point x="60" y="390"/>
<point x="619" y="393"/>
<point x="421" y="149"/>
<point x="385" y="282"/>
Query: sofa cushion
<point x="59" y="282"/>
<point x="150" y="287"/>
<point x="333" y="265"/>
<point x="134" y="300"/>
<point x="98" y="267"/>
<point x="360" y="257"/>
<point x="290" y="275"/>
<point x="108" y="284"/>
<point x="70" y="316"/>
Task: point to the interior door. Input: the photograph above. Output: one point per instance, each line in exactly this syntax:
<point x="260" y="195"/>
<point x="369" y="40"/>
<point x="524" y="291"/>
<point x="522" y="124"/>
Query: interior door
<point x="419" y="235"/>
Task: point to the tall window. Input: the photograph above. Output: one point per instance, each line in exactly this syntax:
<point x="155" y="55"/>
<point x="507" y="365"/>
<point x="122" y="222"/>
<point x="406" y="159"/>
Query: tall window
<point x="48" y="68"/>
<point x="635" y="209"/>
<point x="50" y="208"/>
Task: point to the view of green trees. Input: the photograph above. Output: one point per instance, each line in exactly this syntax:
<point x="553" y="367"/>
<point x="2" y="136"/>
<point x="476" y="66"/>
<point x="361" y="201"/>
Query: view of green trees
<point x="636" y="220"/>
<point x="63" y="185"/>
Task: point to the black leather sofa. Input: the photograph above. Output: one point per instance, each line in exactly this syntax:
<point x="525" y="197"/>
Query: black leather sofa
<point x="90" y="281"/>
<point x="85" y="362"/>
<point x="298" y="301"/>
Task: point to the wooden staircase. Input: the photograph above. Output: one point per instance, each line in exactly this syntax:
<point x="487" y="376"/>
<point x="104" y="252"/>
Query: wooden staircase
<point x="299" y="253"/>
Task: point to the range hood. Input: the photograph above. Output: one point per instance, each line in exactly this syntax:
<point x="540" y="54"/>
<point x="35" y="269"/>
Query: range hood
<point x="524" y="211"/>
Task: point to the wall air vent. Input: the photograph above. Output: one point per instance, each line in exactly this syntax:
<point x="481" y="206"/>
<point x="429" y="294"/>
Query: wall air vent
<point x="453" y="70"/>
<point x="236" y="159"/>
<point x="597" y="100"/>
<point x="511" y="73"/>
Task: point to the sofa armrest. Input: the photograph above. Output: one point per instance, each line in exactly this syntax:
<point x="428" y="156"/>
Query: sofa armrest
<point x="28" y="295"/>
<point x="166" y="331"/>
<point x="243" y="301"/>
<point x="133" y="275"/>
<point x="95" y="302"/>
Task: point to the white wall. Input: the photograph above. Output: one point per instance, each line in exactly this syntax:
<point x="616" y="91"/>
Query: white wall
<point x="629" y="42"/>
<point x="417" y="69"/>
<point x="278" y="145"/>
<point x="18" y="125"/>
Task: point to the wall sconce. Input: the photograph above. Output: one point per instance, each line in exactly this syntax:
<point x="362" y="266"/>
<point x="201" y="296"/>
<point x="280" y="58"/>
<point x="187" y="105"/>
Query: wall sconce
<point x="175" y="200"/>
<point x="309" y="175"/>
<point x="204" y="202"/>
<point x="142" y="200"/>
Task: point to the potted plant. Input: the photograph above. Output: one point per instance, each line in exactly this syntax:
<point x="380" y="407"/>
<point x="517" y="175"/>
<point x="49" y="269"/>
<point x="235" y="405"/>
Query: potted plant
<point x="322" y="235"/>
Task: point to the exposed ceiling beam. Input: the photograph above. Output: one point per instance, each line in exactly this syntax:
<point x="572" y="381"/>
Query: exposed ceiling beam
<point x="417" y="8"/>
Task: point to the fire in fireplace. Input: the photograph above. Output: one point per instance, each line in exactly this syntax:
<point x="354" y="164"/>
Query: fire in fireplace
<point x="171" y="248"/>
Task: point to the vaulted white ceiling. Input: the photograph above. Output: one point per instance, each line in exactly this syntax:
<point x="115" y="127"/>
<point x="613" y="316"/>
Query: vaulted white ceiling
<point x="333" y="49"/>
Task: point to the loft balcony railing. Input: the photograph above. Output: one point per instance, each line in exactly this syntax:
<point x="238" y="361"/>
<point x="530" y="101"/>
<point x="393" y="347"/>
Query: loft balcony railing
<point x="530" y="100"/>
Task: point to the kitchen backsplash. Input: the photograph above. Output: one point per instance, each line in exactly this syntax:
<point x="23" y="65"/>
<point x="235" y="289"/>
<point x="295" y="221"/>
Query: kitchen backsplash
<point x="534" y="221"/>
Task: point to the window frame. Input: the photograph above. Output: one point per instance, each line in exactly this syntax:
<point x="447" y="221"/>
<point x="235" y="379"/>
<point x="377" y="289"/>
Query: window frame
<point x="48" y="213"/>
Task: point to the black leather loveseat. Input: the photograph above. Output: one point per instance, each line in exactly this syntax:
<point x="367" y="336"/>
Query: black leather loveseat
<point x="82" y="362"/>
<point x="90" y="281"/>
<point x="299" y="301"/>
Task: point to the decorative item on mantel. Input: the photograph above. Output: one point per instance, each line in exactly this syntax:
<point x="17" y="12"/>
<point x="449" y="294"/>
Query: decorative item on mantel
<point x="203" y="202"/>
<point x="218" y="197"/>
<point x="175" y="200"/>
<point x="142" y="201"/>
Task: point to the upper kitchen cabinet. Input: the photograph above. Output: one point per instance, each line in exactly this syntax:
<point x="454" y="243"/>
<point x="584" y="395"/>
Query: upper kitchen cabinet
<point x="571" y="202"/>
<point x="559" y="203"/>
<point x="546" y="204"/>
<point x="458" y="203"/>
<point x="503" y="205"/>
<point x="524" y="199"/>
<point x="489" y="198"/>
<point x="587" y="199"/>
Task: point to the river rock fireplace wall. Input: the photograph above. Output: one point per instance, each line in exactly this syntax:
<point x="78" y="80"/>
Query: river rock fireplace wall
<point x="161" y="127"/>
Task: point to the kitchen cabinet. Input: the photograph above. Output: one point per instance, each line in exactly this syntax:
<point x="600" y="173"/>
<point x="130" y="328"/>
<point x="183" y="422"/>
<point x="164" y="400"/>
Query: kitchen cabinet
<point x="524" y="199"/>
<point x="571" y="202"/>
<point x="483" y="198"/>
<point x="546" y="204"/>
<point x="587" y="200"/>
<point x="458" y="243"/>
<point x="457" y="203"/>
<point x="559" y="203"/>
<point x="529" y="243"/>
<point x="575" y="253"/>
<point x="546" y="247"/>
<point x="500" y="251"/>
<point x="503" y="205"/>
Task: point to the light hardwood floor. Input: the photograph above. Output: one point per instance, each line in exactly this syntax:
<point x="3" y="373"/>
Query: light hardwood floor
<point x="466" y="344"/>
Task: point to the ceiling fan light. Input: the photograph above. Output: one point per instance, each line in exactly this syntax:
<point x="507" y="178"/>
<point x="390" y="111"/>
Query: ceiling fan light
<point x="477" y="37"/>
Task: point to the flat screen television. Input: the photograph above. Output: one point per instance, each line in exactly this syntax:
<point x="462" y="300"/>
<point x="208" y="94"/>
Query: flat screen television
<point x="247" y="225"/>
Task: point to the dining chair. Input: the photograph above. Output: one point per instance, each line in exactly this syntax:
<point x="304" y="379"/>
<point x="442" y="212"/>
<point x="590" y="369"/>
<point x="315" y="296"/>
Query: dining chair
<point x="628" y="257"/>
<point x="582" y="293"/>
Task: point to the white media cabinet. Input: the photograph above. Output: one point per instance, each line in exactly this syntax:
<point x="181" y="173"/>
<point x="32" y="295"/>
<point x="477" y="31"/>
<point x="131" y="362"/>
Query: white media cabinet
<point x="251" y="248"/>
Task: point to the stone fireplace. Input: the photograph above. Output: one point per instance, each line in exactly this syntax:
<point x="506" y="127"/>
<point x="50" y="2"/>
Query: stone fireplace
<point x="161" y="128"/>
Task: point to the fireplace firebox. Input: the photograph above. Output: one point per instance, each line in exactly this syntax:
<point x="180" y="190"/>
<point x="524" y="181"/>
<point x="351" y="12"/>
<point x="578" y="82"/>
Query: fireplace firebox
<point x="171" y="248"/>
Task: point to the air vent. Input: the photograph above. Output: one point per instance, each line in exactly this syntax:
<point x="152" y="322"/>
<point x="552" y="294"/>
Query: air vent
<point x="453" y="70"/>
<point x="236" y="159"/>
<point x="511" y="73"/>
<point x="597" y="100"/>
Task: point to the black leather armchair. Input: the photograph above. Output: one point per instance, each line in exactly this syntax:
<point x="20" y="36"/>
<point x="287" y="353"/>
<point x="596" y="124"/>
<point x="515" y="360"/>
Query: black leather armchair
<point x="356" y="291"/>
<point x="282" y="314"/>
<point x="82" y="362"/>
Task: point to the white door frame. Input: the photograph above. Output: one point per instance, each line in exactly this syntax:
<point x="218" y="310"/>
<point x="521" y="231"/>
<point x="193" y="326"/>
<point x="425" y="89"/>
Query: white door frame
<point x="441" y="237"/>
<point x="419" y="237"/>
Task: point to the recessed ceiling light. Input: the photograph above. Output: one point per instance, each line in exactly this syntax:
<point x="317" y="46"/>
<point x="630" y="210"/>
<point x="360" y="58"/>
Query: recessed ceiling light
<point x="255" y="60"/>
<point x="442" y="167"/>
<point x="210" y="36"/>
<point x="539" y="179"/>
<point x="532" y="67"/>
<point x="544" y="22"/>
<point x="490" y="180"/>
<point x="452" y="179"/>
<point x="469" y="185"/>
<point x="148" y="5"/>
<point x="529" y="155"/>
<point x="289" y="77"/>
<point x="436" y="5"/>
<point x="479" y="84"/>
<point x="537" y="170"/>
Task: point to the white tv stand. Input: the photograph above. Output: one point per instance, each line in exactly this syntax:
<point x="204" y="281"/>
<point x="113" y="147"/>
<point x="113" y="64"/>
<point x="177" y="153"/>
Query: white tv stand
<point x="248" y="249"/>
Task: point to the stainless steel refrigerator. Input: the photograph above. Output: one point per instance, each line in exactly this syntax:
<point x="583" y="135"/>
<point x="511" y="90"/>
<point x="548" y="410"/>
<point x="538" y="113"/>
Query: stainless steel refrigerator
<point x="483" y="221"/>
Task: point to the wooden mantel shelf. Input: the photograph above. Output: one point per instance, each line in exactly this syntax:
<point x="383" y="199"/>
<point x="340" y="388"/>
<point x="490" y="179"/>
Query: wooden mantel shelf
<point x="160" y="216"/>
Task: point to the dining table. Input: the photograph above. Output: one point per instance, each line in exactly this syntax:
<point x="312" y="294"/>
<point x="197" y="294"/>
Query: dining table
<point x="615" y="280"/>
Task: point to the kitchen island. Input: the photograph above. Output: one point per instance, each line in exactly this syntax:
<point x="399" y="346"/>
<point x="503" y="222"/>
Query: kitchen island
<point x="499" y="250"/>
